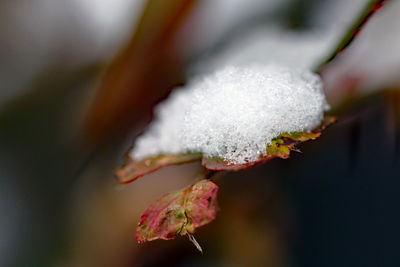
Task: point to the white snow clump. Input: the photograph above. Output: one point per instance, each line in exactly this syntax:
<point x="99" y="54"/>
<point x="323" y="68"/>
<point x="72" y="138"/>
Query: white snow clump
<point x="235" y="113"/>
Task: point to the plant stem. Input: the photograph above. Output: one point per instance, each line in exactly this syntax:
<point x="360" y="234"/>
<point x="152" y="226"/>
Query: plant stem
<point x="354" y="30"/>
<point x="209" y="174"/>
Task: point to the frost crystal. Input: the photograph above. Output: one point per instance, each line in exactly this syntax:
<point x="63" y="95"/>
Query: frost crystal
<point x="235" y="113"/>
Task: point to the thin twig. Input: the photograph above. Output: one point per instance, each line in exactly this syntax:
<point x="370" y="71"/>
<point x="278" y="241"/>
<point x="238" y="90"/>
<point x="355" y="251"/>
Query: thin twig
<point x="351" y="34"/>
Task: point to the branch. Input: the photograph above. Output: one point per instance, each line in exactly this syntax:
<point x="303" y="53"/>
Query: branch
<point x="370" y="9"/>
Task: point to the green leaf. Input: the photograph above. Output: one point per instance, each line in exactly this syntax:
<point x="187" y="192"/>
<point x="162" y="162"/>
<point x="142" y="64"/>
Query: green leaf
<point x="179" y="213"/>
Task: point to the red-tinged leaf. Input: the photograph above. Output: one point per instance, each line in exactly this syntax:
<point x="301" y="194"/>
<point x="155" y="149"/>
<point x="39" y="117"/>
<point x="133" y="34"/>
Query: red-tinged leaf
<point x="164" y="219"/>
<point x="201" y="205"/>
<point x="136" y="169"/>
<point x="279" y="148"/>
<point x="179" y="213"/>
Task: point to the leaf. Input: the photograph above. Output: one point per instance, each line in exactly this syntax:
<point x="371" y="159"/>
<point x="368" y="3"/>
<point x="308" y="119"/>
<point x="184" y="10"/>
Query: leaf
<point x="179" y="213"/>
<point x="136" y="169"/>
<point x="279" y="148"/>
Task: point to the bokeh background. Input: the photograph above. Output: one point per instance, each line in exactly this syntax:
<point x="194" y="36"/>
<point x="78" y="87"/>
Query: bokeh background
<point x="79" y="79"/>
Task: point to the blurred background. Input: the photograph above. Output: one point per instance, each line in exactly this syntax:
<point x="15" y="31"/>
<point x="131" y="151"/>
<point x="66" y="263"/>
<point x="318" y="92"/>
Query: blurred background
<point x="79" y="79"/>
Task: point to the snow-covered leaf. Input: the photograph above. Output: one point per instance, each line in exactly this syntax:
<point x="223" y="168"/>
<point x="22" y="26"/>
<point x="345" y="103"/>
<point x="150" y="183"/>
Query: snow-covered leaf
<point x="234" y="113"/>
<point x="280" y="147"/>
<point x="179" y="213"/>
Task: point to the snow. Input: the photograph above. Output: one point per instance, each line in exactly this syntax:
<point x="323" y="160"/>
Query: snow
<point x="210" y="21"/>
<point x="38" y="35"/>
<point x="336" y="15"/>
<point x="273" y="42"/>
<point x="234" y="113"/>
<point x="272" y="45"/>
